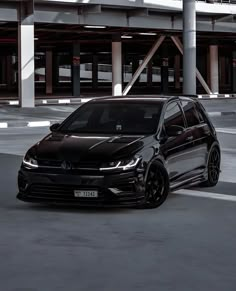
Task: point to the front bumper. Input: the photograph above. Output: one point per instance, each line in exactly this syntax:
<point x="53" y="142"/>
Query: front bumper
<point x="116" y="189"/>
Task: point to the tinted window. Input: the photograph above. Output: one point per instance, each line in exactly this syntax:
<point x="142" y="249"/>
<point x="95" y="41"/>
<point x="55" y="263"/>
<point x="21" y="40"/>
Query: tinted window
<point x="190" y="113"/>
<point x="115" y="117"/>
<point x="173" y="115"/>
<point x="200" y="115"/>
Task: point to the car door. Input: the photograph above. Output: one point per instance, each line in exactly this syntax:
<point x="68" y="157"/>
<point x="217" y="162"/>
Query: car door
<point x="200" y="133"/>
<point x="176" y="149"/>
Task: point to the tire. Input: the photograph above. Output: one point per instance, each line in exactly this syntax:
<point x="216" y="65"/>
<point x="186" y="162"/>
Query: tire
<point x="213" y="168"/>
<point x="157" y="185"/>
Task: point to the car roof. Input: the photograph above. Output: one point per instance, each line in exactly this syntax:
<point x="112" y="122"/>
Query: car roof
<point x="144" y="98"/>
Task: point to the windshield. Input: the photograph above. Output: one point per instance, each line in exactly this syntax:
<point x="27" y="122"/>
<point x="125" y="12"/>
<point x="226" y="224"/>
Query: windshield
<point x="114" y="118"/>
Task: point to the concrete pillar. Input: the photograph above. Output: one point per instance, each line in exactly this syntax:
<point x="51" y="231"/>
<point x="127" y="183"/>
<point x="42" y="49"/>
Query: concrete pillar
<point x="116" y="67"/>
<point x="164" y="69"/>
<point x="135" y="65"/>
<point x="95" y="71"/>
<point x="55" y="69"/>
<point x="49" y="72"/>
<point x="9" y="71"/>
<point x="149" y="74"/>
<point x="177" y="72"/>
<point x="26" y="54"/>
<point x="222" y="70"/>
<point x="214" y="69"/>
<point x="3" y="70"/>
<point x="76" y="70"/>
<point x="234" y="72"/>
<point x="189" y="47"/>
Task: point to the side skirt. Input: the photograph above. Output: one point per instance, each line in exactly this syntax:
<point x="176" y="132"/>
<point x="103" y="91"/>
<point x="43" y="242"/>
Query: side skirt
<point x="188" y="182"/>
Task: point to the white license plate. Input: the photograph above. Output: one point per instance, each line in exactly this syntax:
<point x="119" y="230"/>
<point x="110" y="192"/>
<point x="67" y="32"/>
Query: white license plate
<point x="86" y="193"/>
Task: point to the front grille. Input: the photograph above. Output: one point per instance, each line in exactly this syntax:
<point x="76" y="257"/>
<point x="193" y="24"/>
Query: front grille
<point x="75" y="165"/>
<point x="49" y="163"/>
<point x="87" y="165"/>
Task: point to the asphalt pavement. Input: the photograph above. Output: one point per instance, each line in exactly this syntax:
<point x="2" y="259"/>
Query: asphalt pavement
<point x="189" y="243"/>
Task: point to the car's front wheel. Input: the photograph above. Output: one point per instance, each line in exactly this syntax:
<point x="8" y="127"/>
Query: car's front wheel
<point x="157" y="185"/>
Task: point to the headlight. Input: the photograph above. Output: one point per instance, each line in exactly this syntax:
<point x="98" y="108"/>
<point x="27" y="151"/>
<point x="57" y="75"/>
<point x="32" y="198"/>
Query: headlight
<point x="30" y="162"/>
<point x="121" y="165"/>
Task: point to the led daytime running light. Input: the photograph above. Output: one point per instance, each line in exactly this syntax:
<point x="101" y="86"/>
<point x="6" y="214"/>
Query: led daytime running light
<point x="131" y="164"/>
<point x="30" y="162"/>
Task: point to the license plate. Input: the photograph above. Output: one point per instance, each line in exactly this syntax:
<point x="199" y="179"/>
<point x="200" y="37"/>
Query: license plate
<point x="86" y="193"/>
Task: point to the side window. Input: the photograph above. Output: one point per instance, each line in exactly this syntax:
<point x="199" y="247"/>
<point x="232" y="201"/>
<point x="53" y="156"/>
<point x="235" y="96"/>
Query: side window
<point x="190" y="112"/>
<point x="200" y="115"/>
<point x="173" y="115"/>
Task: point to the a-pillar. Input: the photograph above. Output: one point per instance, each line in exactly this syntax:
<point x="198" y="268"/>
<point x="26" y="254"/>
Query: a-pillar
<point x="76" y="70"/>
<point x="214" y="69"/>
<point x="116" y="66"/>
<point x="234" y="72"/>
<point x="26" y="54"/>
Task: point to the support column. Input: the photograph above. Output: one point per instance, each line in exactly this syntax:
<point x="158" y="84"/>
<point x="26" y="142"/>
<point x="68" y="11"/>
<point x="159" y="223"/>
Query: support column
<point x="234" y="72"/>
<point x="26" y="54"/>
<point x="149" y="74"/>
<point x="177" y="72"/>
<point x="214" y="69"/>
<point x="116" y="67"/>
<point x="55" y="69"/>
<point x="144" y="63"/>
<point x="135" y="65"/>
<point x="3" y="70"/>
<point x="164" y="70"/>
<point x="179" y="45"/>
<point x="95" y="71"/>
<point x="49" y="72"/>
<point x="9" y="71"/>
<point x="76" y="70"/>
<point x="189" y="47"/>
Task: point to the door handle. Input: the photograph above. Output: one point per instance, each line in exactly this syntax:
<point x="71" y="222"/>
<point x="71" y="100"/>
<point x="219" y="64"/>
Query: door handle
<point x="189" y="138"/>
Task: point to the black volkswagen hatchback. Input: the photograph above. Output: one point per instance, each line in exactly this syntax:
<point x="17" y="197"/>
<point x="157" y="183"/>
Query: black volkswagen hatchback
<point x="125" y="151"/>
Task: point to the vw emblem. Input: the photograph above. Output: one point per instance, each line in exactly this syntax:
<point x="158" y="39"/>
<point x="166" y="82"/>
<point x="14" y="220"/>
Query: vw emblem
<point x="66" y="165"/>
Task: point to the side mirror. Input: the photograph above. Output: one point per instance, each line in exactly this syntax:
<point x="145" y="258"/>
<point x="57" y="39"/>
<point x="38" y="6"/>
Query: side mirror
<point x="54" y="127"/>
<point x="174" y="130"/>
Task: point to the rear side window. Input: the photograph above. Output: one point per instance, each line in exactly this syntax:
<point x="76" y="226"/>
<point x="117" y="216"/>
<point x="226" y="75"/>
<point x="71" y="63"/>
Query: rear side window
<point x="173" y="115"/>
<point x="200" y="115"/>
<point x="191" y="113"/>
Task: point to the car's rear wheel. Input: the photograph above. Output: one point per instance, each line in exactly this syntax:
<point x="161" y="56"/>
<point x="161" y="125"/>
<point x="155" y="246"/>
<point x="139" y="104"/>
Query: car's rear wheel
<point x="213" y="167"/>
<point x="157" y="185"/>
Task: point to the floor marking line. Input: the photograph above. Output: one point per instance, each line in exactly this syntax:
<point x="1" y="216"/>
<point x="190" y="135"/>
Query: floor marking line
<point x="64" y="101"/>
<point x="3" y="125"/>
<point x="203" y="194"/>
<point x="38" y="123"/>
<point x="226" y="130"/>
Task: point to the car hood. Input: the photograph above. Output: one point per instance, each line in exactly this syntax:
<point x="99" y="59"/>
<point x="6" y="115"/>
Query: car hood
<point x="77" y="147"/>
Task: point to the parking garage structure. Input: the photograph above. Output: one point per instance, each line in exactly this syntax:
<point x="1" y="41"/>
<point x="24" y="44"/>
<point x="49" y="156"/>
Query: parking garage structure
<point x="90" y="48"/>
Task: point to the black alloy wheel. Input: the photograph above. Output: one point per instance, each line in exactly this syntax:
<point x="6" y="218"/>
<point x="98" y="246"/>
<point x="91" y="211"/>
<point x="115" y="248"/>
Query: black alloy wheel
<point x="157" y="185"/>
<point x="213" y="167"/>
